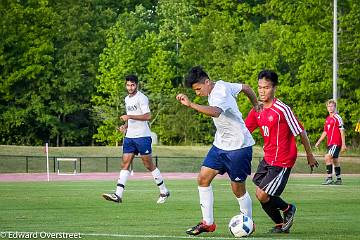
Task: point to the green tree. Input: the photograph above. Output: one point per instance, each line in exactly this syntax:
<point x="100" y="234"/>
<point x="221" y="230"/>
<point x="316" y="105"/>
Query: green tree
<point x="26" y="63"/>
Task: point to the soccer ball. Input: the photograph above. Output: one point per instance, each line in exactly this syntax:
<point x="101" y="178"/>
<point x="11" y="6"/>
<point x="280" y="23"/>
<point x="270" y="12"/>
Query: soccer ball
<point x="241" y="225"/>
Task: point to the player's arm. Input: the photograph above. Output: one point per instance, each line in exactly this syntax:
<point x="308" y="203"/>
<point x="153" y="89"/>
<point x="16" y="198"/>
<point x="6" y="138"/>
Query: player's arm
<point x="323" y="135"/>
<point x="309" y="155"/>
<point x="142" y="117"/>
<point x="249" y="92"/>
<point x="211" y="111"/>
<point x="342" y="133"/>
<point x="123" y="128"/>
<point x="250" y="121"/>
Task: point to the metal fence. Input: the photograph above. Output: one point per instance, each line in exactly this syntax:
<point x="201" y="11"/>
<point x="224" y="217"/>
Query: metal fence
<point x="33" y="164"/>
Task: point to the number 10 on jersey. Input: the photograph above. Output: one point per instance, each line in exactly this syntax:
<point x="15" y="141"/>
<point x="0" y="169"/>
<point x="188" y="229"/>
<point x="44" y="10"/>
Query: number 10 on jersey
<point x="265" y="130"/>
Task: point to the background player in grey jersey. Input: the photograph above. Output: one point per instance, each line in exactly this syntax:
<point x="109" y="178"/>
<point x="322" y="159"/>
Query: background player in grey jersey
<point x="137" y="141"/>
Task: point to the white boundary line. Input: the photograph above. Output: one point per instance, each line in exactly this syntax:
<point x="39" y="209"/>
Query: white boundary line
<point x="171" y="236"/>
<point x="4" y="234"/>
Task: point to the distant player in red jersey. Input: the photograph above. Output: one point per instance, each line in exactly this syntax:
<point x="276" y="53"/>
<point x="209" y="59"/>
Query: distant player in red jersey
<point x="335" y="132"/>
<point x="279" y="127"/>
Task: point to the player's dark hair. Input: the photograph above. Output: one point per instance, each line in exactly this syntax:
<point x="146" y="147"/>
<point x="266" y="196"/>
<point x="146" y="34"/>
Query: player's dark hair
<point x="132" y="78"/>
<point x="195" y="75"/>
<point x="270" y="76"/>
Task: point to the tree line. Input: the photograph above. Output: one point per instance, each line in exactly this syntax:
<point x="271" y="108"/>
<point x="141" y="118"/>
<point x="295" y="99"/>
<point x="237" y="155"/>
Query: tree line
<point x="63" y="63"/>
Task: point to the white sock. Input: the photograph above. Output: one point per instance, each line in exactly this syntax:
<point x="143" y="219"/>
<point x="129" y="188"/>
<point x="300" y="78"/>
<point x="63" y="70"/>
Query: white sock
<point x="206" y="204"/>
<point x="245" y="204"/>
<point x="159" y="180"/>
<point x="124" y="174"/>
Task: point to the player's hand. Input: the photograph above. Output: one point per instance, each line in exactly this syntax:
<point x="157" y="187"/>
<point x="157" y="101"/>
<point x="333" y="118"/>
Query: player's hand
<point x="122" y="128"/>
<point x="124" y="117"/>
<point x="312" y="162"/>
<point x="183" y="99"/>
<point x="343" y="148"/>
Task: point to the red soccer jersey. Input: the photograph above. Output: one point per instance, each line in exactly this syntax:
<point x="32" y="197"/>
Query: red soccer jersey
<point x="332" y="127"/>
<point x="279" y="127"/>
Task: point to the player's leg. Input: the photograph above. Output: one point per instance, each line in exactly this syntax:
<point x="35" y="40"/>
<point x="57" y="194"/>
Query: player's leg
<point x="238" y="166"/>
<point x="144" y="147"/>
<point x="271" y="182"/>
<point x="206" y="197"/>
<point x="329" y="165"/>
<point x="159" y="180"/>
<point x="337" y="167"/>
<point x="243" y="198"/>
<point x="207" y="173"/>
<point x="129" y="152"/>
<point x="123" y="176"/>
<point x="270" y="210"/>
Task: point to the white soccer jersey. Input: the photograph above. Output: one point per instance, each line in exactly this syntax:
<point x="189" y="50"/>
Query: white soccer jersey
<point x="231" y="132"/>
<point x="137" y="105"/>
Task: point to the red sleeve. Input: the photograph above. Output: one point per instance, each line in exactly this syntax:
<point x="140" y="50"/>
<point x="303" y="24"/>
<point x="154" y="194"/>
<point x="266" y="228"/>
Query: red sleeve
<point x="250" y="121"/>
<point x="325" y="127"/>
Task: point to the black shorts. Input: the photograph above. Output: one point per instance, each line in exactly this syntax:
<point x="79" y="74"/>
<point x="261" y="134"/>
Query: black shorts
<point x="271" y="179"/>
<point x="334" y="150"/>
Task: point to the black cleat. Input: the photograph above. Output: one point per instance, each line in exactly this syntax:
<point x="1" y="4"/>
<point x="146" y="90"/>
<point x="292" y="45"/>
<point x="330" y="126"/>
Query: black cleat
<point x="328" y="181"/>
<point x="163" y="197"/>
<point x="278" y="229"/>
<point x="289" y="218"/>
<point x="112" y="197"/>
<point x="338" y="181"/>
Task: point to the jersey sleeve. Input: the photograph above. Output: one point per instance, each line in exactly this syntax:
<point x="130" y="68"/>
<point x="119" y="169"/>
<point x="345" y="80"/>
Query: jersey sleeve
<point x="340" y="122"/>
<point x="144" y="104"/>
<point x="220" y="97"/>
<point x="325" y="129"/>
<point x="292" y="121"/>
<point x="295" y="125"/>
<point x="250" y="121"/>
<point x="235" y="89"/>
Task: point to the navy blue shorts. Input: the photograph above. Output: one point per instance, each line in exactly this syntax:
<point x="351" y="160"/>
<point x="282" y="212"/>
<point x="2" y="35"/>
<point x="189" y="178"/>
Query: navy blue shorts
<point x="140" y="145"/>
<point x="236" y="163"/>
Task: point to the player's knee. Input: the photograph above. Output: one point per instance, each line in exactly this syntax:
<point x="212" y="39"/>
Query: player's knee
<point x="262" y="196"/>
<point x="328" y="159"/>
<point x="148" y="164"/>
<point x="125" y="166"/>
<point x="203" y="181"/>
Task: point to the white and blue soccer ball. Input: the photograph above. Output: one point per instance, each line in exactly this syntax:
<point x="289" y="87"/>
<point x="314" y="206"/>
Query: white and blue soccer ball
<point x="241" y="225"/>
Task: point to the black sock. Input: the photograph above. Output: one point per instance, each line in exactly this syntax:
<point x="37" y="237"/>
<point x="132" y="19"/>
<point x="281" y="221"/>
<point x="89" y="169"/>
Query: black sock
<point x="338" y="172"/>
<point x="329" y="169"/>
<point x="273" y="213"/>
<point x="278" y="203"/>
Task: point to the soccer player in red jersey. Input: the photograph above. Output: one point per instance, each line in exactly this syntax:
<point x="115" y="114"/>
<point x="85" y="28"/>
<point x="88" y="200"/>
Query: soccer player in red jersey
<point x="335" y="132"/>
<point x="278" y="127"/>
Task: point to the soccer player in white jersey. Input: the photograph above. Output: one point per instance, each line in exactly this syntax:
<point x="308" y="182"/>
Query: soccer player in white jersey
<point x="278" y="126"/>
<point x="137" y="141"/>
<point x="231" y="152"/>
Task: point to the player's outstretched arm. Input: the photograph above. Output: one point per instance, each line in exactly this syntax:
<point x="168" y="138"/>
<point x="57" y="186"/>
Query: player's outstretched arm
<point x="207" y="110"/>
<point x="309" y="155"/>
<point x="249" y="92"/>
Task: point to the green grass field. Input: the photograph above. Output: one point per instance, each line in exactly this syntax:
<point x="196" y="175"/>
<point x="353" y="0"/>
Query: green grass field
<point x="324" y="212"/>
